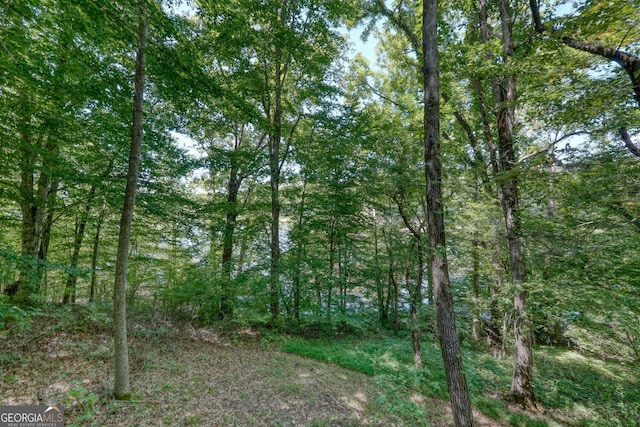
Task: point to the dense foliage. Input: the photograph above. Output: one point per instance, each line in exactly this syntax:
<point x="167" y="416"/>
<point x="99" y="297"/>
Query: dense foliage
<point x="282" y="177"/>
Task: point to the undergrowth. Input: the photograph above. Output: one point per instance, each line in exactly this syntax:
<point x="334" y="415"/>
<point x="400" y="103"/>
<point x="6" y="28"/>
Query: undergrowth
<point x="574" y="389"/>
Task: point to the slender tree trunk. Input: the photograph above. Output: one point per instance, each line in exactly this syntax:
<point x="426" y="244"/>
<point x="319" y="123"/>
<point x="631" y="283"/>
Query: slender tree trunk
<point x="243" y="252"/>
<point x="390" y="280"/>
<point x="396" y="314"/>
<point x="94" y="253"/>
<point x="345" y="279"/>
<point x="334" y="272"/>
<point x="122" y="389"/>
<point x="72" y="278"/>
<point x="299" y="250"/>
<point x="415" y="296"/>
<point x="329" y="300"/>
<point x="45" y="240"/>
<point x="447" y="332"/>
<point x="275" y="140"/>
<point x="475" y="287"/>
<point x="492" y="327"/>
<point x="30" y="224"/>
<point x="318" y="297"/>
<point x="33" y="206"/>
<point x="227" y="294"/>
<point x="415" y="293"/>
<point x="522" y="382"/>
<point x="382" y="316"/>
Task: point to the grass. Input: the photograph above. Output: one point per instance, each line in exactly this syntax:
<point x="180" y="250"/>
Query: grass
<point x="574" y="389"/>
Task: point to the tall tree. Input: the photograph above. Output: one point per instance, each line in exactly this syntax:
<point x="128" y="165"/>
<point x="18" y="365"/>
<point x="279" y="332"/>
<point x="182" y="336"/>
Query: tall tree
<point x="426" y="49"/>
<point x="122" y="388"/>
<point x="505" y="97"/>
<point x="447" y="332"/>
<point x="81" y="224"/>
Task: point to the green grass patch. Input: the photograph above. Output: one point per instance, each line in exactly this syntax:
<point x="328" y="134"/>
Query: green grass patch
<point x="578" y="390"/>
<point x="332" y="352"/>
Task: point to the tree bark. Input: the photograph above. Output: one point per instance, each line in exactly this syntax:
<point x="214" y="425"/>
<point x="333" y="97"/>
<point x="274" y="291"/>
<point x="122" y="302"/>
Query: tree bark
<point x="122" y="389"/>
<point x="415" y="292"/>
<point x="233" y="188"/>
<point x="72" y="278"/>
<point x="475" y="287"/>
<point x="45" y="239"/>
<point x="447" y="332"/>
<point x="396" y="314"/>
<point x="382" y="315"/>
<point x="299" y="251"/>
<point x="94" y="253"/>
<point x="521" y="390"/>
<point x="334" y="273"/>
<point x="33" y="205"/>
<point x="415" y="297"/>
<point x="275" y="140"/>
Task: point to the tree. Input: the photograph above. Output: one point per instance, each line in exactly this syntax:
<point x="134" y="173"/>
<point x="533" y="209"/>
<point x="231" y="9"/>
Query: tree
<point x="505" y="98"/>
<point x="122" y="388"/>
<point x="447" y="332"/>
<point x="81" y="224"/>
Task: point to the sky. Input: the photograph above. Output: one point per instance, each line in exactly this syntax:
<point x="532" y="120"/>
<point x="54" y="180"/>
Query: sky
<point x="366" y="48"/>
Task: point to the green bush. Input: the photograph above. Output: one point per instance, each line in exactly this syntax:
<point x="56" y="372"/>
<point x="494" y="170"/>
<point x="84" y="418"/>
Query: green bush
<point x="14" y="317"/>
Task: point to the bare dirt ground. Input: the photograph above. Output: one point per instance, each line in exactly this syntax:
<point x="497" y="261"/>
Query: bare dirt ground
<point x="191" y="377"/>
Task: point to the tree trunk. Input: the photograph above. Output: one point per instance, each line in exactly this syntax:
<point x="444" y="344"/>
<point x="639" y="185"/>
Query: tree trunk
<point x="122" y="390"/>
<point x="522" y="383"/>
<point x="299" y="251"/>
<point x="475" y="287"/>
<point x="447" y="332"/>
<point x="492" y="327"/>
<point x="396" y="314"/>
<point x="318" y="297"/>
<point x="70" y="286"/>
<point x="94" y="253"/>
<point x="45" y="240"/>
<point x="415" y="294"/>
<point x="390" y="280"/>
<point x="275" y="139"/>
<point x="333" y="274"/>
<point x="227" y="294"/>
<point x="415" y="297"/>
<point x="30" y="226"/>
<point x="33" y="206"/>
<point x="382" y="316"/>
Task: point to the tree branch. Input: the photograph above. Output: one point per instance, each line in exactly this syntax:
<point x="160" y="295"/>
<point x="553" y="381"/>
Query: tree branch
<point x="416" y="43"/>
<point x="548" y="147"/>
<point x="630" y="63"/>
<point x="384" y="97"/>
<point x="628" y="143"/>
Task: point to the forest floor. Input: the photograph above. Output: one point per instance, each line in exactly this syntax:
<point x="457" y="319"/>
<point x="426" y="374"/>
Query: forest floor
<point x="230" y="375"/>
<point x="190" y="377"/>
